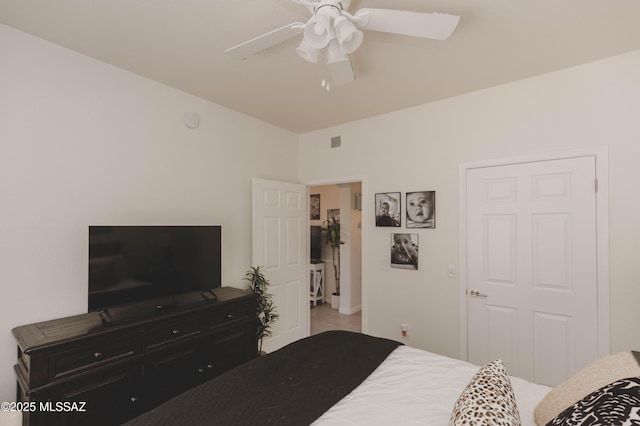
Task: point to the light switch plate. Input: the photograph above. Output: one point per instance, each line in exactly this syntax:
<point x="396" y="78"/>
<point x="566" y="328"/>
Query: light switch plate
<point x="451" y="271"/>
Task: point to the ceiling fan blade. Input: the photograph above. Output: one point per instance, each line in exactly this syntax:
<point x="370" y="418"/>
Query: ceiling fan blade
<point x="265" y="41"/>
<point x="341" y="72"/>
<point x="438" y="26"/>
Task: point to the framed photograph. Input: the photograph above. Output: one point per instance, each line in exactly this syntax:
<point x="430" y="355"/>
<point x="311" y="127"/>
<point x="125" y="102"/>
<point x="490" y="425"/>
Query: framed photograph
<point x="404" y="251"/>
<point x="314" y="206"/>
<point x="421" y="209"/>
<point x="388" y="209"/>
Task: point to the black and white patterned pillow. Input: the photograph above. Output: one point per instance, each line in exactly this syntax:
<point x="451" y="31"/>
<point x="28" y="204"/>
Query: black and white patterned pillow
<point x="488" y="400"/>
<point x="617" y="403"/>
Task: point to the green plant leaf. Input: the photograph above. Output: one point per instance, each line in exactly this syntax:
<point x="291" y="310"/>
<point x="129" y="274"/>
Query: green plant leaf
<point x="265" y="309"/>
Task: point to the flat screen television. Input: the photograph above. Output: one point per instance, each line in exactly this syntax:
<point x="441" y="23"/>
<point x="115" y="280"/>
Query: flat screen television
<point x="315" y="240"/>
<point x="134" y="263"/>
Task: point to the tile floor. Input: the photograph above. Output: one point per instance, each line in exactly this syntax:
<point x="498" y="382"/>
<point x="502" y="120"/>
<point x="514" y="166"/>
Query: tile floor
<point x="324" y="318"/>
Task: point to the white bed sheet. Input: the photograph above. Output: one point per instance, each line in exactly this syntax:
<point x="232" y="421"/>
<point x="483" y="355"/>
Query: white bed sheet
<point x="415" y="387"/>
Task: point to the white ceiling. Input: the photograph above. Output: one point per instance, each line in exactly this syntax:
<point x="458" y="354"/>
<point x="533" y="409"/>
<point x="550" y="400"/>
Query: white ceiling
<point x="180" y="43"/>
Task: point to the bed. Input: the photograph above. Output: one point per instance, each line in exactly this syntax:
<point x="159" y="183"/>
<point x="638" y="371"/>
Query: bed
<point x="345" y="378"/>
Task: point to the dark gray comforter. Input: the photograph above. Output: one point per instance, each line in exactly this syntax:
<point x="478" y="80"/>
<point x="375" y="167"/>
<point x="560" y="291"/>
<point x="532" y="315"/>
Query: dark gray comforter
<point x="291" y="386"/>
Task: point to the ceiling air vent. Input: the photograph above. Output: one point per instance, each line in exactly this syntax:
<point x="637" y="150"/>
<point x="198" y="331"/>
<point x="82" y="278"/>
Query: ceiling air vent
<point x="336" y="141"/>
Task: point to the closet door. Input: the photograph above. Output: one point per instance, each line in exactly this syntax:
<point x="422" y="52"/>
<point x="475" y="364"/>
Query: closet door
<point x="532" y="267"/>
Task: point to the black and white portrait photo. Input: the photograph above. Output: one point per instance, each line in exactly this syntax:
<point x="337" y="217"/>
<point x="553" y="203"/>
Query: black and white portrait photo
<point x="388" y="209"/>
<point x="421" y="209"/>
<point x="314" y="206"/>
<point x="404" y="251"/>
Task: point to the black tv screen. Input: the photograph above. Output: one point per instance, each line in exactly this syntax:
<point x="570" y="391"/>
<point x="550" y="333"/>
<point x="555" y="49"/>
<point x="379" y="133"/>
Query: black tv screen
<point x="134" y="263"/>
<point x="315" y="241"/>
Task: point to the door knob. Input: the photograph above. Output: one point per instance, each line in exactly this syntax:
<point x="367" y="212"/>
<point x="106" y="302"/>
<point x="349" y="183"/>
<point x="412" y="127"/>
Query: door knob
<point x="476" y="293"/>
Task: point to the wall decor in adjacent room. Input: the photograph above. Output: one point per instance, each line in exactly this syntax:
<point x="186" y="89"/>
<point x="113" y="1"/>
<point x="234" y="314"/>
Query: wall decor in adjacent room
<point x="314" y="206"/>
<point x="388" y="209"/>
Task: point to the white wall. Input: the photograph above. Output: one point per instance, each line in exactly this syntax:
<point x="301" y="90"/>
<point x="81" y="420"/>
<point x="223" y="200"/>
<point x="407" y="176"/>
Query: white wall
<point x="421" y="149"/>
<point x="355" y="245"/>
<point x="351" y="251"/>
<point x="81" y="143"/>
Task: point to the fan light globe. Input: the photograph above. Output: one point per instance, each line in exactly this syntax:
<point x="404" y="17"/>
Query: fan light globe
<point x="348" y="36"/>
<point x="307" y="52"/>
<point x="334" y="53"/>
<point x="317" y="31"/>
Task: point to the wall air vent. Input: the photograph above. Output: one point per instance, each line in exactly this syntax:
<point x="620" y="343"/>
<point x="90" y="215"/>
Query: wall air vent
<point x="336" y="141"/>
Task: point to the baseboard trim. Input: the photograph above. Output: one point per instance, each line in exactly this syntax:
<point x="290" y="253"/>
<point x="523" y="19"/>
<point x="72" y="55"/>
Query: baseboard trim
<point x="350" y="311"/>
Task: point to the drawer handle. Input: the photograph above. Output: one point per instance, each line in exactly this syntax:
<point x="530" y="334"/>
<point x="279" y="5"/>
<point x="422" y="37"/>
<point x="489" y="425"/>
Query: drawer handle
<point x="230" y="316"/>
<point x="176" y="332"/>
<point x="202" y="370"/>
<point x="97" y="355"/>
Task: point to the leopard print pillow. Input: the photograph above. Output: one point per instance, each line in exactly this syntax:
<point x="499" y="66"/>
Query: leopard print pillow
<point x="617" y="403"/>
<point x="488" y="400"/>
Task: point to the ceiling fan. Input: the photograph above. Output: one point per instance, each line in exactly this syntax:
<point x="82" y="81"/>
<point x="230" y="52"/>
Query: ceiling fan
<point x="332" y="33"/>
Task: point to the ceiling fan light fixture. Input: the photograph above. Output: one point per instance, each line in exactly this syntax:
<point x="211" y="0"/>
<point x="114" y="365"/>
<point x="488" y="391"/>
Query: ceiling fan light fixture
<point x="361" y="19"/>
<point x="308" y="52"/>
<point x="334" y="53"/>
<point x="318" y="31"/>
<point x="348" y="36"/>
<point x="332" y="34"/>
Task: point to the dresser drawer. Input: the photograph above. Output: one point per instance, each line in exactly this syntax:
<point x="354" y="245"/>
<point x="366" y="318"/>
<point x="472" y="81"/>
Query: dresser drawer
<point x="227" y="314"/>
<point x="171" y="331"/>
<point x="98" y="352"/>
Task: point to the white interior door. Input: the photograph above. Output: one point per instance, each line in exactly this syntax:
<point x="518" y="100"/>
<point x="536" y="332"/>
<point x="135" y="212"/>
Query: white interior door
<point x="280" y="245"/>
<point x="532" y="267"/>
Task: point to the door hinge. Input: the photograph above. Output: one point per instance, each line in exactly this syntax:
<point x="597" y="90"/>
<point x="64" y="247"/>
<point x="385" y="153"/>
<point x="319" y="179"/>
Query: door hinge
<point x="596" y="185"/>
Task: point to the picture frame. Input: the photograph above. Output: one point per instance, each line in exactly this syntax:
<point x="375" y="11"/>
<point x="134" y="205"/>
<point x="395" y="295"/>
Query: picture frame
<point x="314" y="207"/>
<point x="387" y="209"/>
<point x="421" y="209"/>
<point x="404" y="251"/>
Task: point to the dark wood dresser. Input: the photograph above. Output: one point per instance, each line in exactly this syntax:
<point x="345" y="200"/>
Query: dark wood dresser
<point x="80" y="370"/>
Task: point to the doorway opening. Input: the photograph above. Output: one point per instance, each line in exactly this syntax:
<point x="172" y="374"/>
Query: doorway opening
<point x="328" y="311"/>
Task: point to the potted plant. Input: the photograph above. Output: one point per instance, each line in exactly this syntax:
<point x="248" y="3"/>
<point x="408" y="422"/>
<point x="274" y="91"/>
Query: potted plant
<point x="267" y="315"/>
<point x="331" y="235"/>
